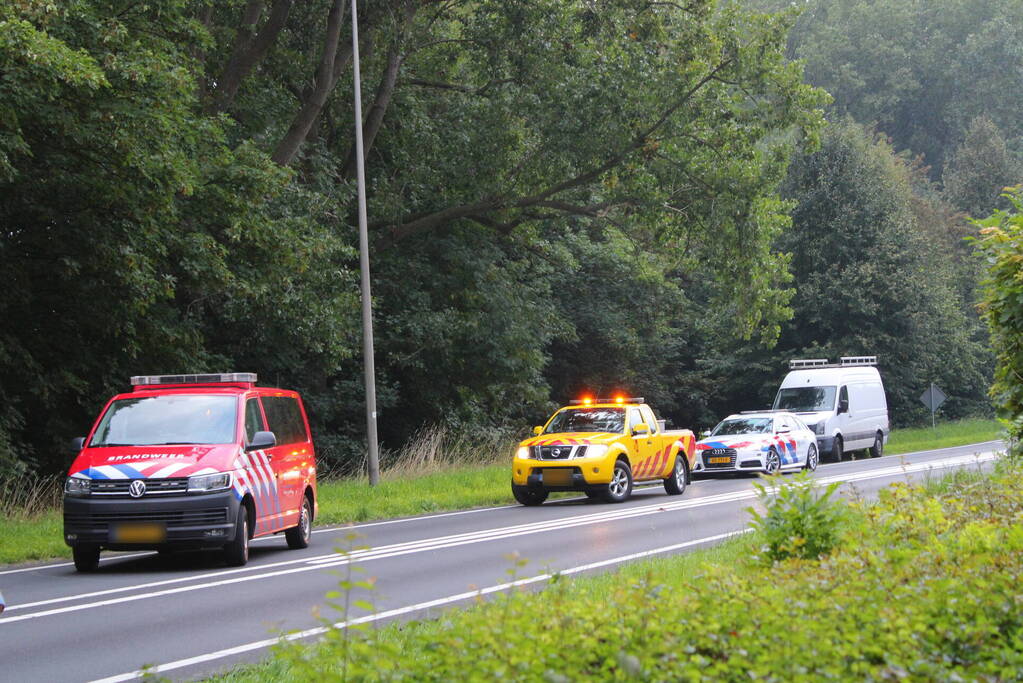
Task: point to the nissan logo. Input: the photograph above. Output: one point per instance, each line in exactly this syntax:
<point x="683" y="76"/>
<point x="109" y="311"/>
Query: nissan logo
<point x="137" y="488"/>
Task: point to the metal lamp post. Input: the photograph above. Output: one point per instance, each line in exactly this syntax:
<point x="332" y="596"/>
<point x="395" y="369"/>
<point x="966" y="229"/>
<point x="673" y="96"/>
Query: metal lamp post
<point x="367" y="304"/>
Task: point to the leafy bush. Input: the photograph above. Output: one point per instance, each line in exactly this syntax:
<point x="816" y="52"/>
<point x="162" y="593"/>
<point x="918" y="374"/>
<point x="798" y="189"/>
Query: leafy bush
<point x="799" y="521"/>
<point x="919" y="587"/>
<point x="1001" y="245"/>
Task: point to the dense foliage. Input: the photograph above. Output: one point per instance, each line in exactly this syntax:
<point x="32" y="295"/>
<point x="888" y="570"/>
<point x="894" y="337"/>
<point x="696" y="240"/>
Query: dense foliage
<point x="1001" y="245"/>
<point x="920" y="586"/>
<point x="562" y="195"/>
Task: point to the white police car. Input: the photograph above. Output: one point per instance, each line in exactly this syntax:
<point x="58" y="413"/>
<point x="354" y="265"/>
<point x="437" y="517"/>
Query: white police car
<point x="766" y="442"/>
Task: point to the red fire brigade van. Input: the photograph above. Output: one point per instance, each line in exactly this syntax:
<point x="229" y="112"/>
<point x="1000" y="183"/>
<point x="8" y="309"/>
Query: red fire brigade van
<point x="186" y="461"/>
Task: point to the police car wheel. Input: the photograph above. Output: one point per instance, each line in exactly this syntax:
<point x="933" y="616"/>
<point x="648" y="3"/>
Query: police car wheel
<point x="620" y="487"/>
<point x="529" y="496"/>
<point x="676" y="483"/>
<point x="812" y="458"/>
<point x="772" y="463"/>
<point x="236" y="553"/>
<point x="86" y="557"/>
<point x="298" y="536"/>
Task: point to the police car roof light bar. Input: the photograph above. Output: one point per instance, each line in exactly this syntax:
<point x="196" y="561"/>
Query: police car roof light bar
<point x="218" y="378"/>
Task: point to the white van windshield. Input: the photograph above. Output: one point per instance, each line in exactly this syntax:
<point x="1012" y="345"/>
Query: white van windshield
<point x="805" y="399"/>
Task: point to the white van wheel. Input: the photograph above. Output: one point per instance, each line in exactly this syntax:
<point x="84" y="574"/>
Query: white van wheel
<point x="836" y="450"/>
<point x="877" y="450"/>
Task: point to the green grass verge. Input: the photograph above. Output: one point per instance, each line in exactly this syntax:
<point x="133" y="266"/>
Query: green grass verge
<point x="922" y="585"/>
<point x="943" y="435"/>
<point x="32" y="537"/>
<point x="38" y="536"/>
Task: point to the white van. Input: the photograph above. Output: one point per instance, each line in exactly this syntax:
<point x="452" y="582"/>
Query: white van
<point x="844" y="403"/>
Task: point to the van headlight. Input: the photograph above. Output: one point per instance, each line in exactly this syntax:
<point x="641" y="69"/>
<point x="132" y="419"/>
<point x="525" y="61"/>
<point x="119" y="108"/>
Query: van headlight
<point x="209" y="482"/>
<point x="594" y="451"/>
<point x="78" y="486"/>
<point x="817" y="428"/>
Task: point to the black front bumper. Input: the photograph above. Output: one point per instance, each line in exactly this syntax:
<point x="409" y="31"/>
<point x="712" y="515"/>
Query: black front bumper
<point x="180" y="520"/>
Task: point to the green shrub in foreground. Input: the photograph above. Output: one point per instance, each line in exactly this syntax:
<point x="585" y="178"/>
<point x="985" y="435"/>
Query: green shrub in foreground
<point x="799" y="520"/>
<point x="919" y="587"/>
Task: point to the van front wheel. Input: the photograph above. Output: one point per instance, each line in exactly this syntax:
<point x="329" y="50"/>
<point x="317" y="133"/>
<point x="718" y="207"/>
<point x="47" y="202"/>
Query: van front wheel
<point x="86" y="557"/>
<point x="836" y="450"/>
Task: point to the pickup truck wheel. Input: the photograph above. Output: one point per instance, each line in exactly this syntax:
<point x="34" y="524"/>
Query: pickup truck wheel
<point x="877" y="450"/>
<point x="772" y="463"/>
<point x="620" y="487"/>
<point x="86" y="557"/>
<point x="812" y="458"/>
<point x="529" y="496"/>
<point x="676" y="484"/>
<point x="236" y="553"/>
<point x="836" y="450"/>
<point x="298" y="536"/>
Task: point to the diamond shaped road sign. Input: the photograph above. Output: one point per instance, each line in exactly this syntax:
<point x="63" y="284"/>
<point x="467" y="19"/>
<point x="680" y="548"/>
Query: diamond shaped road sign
<point x="933" y="397"/>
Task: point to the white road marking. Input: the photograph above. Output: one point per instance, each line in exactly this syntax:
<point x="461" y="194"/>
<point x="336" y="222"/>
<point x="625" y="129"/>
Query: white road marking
<point x="408" y="609"/>
<point x="437" y="543"/>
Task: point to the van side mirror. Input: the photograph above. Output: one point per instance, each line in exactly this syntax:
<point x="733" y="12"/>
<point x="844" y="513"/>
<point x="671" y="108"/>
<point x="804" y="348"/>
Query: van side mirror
<point x="77" y="444"/>
<point x="843" y="406"/>
<point x="261" y="440"/>
<point x="537" y="431"/>
<point x="641" y="429"/>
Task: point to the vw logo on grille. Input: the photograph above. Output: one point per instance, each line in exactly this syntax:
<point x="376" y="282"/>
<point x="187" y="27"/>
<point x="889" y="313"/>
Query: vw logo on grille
<point x="137" y="488"/>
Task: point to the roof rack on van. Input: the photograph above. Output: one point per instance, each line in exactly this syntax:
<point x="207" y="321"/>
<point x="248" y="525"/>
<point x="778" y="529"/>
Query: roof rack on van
<point x="218" y="378"/>
<point x="843" y="362"/>
<point x="808" y="363"/>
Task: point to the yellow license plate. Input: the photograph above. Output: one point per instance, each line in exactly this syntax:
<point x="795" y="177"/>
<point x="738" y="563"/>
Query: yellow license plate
<point x="557" y="477"/>
<point x="720" y="459"/>
<point x="138" y="533"/>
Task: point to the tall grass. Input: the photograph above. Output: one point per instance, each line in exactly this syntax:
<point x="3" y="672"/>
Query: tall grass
<point x="24" y="497"/>
<point x="436" y="448"/>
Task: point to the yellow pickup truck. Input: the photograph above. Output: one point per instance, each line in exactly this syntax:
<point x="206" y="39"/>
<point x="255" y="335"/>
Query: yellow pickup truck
<point x="601" y="446"/>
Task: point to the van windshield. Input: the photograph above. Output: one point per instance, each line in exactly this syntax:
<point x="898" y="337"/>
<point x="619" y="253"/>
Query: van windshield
<point x="165" y="420"/>
<point x="805" y="399"/>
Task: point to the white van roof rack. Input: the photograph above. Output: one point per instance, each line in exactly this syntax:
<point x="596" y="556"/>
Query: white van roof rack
<point x="843" y="362"/>
<point x="809" y="363"/>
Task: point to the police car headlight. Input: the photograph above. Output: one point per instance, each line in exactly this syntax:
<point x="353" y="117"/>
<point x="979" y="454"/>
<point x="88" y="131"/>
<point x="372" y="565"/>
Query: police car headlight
<point x="522" y="453"/>
<point x="78" y="486"/>
<point x="594" y="451"/>
<point x="209" y="482"/>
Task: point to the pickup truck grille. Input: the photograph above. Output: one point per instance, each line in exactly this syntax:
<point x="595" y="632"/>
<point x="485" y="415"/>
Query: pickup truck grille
<point x="119" y="487"/>
<point x="172" y="518"/>
<point x="709" y="456"/>
<point x="557" y="452"/>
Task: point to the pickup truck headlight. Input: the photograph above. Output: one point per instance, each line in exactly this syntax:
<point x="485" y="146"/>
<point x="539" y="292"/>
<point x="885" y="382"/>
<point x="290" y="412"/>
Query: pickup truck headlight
<point x="522" y="453"/>
<point x="78" y="486"/>
<point x="594" y="451"/>
<point x="209" y="482"/>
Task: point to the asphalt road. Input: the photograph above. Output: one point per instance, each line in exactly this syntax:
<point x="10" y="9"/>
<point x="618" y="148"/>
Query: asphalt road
<point x="187" y="615"/>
